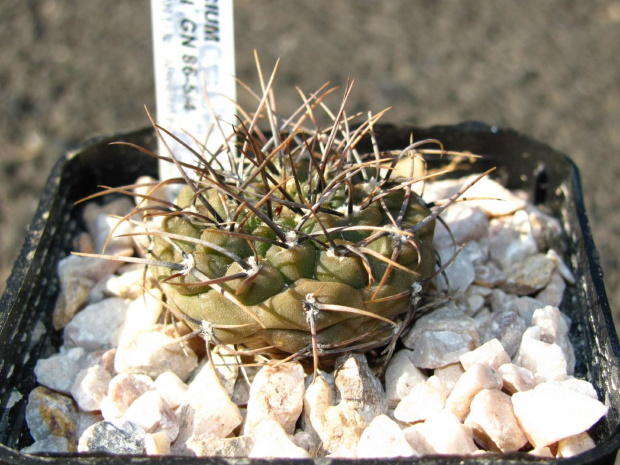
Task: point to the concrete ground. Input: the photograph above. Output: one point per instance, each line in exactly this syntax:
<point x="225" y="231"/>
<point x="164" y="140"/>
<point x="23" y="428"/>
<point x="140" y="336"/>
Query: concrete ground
<point x="71" y="70"/>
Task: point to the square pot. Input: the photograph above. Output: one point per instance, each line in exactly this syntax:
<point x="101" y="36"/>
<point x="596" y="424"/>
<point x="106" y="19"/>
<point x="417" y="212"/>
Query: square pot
<point x="550" y="179"/>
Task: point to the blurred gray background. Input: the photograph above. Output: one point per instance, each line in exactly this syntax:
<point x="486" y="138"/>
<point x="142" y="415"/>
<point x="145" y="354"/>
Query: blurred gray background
<point x="73" y="70"/>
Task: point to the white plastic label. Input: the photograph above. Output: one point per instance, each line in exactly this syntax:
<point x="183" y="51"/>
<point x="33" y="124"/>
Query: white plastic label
<point x="193" y="42"/>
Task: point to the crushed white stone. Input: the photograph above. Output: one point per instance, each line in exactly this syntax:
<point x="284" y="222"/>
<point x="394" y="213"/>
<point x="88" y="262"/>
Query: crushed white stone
<point x="357" y="384"/>
<point x="449" y="374"/>
<point x="547" y="362"/>
<point x="59" y="371"/>
<point x="277" y="393"/>
<point x="171" y="388"/>
<point x="157" y="443"/>
<point x="97" y="326"/>
<point x="516" y="378"/>
<point x="476" y="378"/>
<point x="123" y="389"/>
<point x="383" y="438"/>
<point x="494" y="423"/>
<point x="490" y="370"/>
<point x="574" y="445"/>
<point x="490" y="353"/>
<point x="206" y="412"/>
<point x="153" y="414"/>
<point x="271" y="440"/>
<point x="401" y="376"/>
<point x="425" y="400"/>
<point x="443" y="433"/>
<point x="152" y="353"/>
<point x="551" y="412"/>
<point x="91" y="387"/>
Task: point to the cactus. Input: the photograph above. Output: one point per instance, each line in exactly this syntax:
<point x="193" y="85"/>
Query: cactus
<point x="302" y="245"/>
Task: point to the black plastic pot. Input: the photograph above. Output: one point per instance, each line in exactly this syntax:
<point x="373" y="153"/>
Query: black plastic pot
<point x="550" y="178"/>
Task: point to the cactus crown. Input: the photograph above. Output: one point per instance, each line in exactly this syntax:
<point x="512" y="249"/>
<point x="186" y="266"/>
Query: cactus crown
<point x="302" y="244"/>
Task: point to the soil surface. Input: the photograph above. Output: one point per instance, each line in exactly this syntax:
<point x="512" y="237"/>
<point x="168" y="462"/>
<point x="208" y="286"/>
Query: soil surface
<point x="71" y="70"/>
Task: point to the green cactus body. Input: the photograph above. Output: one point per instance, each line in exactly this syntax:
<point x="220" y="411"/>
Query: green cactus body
<point x="301" y="244"/>
<point x="364" y="264"/>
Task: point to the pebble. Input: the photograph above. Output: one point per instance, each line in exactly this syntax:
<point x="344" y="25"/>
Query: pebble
<point x="530" y="275"/>
<point x="356" y="383"/>
<point x="50" y="444"/>
<point x="543" y="452"/>
<point x="490" y="353"/>
<point x="77" y="275"/>
<point x="547" y="362"/>
<point x="466" y="224"/>
<point x="551" y="412"/>
<point x="511" y="240"/>
<point x="342" y="429"/>
<point x="82" y="242"/>
<point x="157" y="443"/>
<point x="482" y="291"/>
<point x="129" y="283"/>
<point x="435" y="349"/>
<point x="145" y="186"/>
<point x="443" y="433"/>
<point x="307" y="441"/>
<point x="553" y="292"/>
<point x="102" y="226"/>
<point x="476" y="378"/>
<point x="489" y="275"/>
<point x="579" y="385"/>
<point x="401" y="375"/>
<point x="500" y="201"/>
<point x="103" y="358"/>
<point x="277" y="393"/>
<point x="459" y="274"/>
<point x="318" y="397"/>
<point x="153" y="353"/>
<point x="153" y="415"/>
<point x="73" y="296"/>
<point x="414" y="435"/>
<point x="86" y="420"/>
<point x="226" y="367"/>
<point x="449" y="374"/>
<point x="547" y="229"/>
<point x="97" y="326"/>
<point x="470" y="303"/>
<point x="505" y="326"/>
<point x="59" y="371"/>
<point x="574" y="445"/>
<point x="241" y="392"/>
<point x="383" y="438"/>
<point x="206" y="412"/>
<point x="91" y="387"/>
<point x="494" y="423"/>
<point x="122" y="391"/>
<point x="171" y="388"/>
<point x="516" y="378"/>
<point x="552" y="326"/>
<point x="554" y="330"/>
<point x="564" y="270"/>
<point x="142" y="313"/>
<point x="272" y="441"/>
<point x="424" y="401"/>
<point x="446" y="318"/>
<point x="114" y="437"/>
<point x="240" y="447"/>
<point x="525" y="307"/>
<point x="49" y="413"/>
